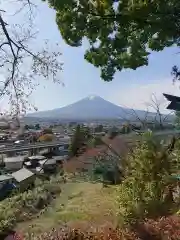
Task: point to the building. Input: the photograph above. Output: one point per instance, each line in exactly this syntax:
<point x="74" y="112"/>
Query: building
<point x="24" y="178"/>
<point x="6" y="185"/>
<point x="174" y="102"/>
<point x="13" y="163"/>
<point x="36" y="157"/>
<point x="33" y="161"/>
<point x="4" y="125"/>
<point x="6" y="178"/>
<point x="48" y="166"/>
<point x="59" y="159"/>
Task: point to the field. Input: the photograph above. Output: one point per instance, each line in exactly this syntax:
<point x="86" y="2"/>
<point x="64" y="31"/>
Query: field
<point x="80" y="203"/>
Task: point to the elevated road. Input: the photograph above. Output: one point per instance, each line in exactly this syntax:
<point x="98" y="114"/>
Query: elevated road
<point x="28" y="147"/>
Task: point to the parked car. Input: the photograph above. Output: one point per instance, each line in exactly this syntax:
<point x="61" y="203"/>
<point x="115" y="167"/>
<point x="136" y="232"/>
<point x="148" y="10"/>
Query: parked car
<point x="19" y="142"/>
<point x="2" y="146"/>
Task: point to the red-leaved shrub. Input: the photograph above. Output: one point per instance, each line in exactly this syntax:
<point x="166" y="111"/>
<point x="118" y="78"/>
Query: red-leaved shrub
<point x="96" y="234"/>
<point x="165" y="228"/>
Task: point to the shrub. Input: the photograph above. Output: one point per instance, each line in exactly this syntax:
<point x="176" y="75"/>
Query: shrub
<point x="162" y="229"/>
<point x="95" y="234"/>
<point x="98" y="170"/>
<point x="147" y="191"/>
<point x="94" y="141"/>
<point x="22" y="206"/>
<point x="107" y="167"/>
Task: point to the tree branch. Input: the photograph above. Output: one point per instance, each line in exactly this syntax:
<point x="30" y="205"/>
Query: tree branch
<point x="20" y="76"/>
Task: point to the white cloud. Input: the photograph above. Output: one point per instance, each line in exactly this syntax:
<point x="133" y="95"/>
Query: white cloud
<point x="138" y="96"/>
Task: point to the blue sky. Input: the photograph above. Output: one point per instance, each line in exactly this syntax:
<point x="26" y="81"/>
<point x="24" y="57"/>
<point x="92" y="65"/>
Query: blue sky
<point x="129" y="88"/>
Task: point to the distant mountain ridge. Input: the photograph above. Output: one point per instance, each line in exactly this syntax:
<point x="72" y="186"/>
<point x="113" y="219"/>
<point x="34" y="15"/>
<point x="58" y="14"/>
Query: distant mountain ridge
<point x="92" y="107"/>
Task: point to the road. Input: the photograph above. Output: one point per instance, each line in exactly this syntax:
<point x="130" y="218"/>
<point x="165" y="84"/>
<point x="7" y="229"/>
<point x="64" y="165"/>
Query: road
<point x="160" y="133"/>
<point x="167" y="132"/>
<point x="27" y="147"/>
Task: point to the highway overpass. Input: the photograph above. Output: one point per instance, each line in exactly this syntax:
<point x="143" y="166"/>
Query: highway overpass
<point x="56" y="144"/>
<point x="30" y="147"/>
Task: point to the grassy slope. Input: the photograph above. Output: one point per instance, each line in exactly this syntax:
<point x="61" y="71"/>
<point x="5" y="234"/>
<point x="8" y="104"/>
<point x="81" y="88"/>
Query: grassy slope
<point x="78" y="204"/>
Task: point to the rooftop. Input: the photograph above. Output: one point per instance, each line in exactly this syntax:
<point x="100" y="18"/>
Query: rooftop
<point x="22" y="174"/>
<point x="60" y="158"/>
<point x="14" y="159"/>
<point x="5" y="177"/>
<point x="50" y="162"/>
<point x="37" y="157"/>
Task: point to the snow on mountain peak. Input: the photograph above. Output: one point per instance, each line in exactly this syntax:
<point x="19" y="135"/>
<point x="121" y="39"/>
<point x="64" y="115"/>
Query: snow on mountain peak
<point x="92" y="97"/>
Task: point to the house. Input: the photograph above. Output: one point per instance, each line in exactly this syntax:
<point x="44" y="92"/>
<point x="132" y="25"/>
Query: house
<point x="49" y="166"/>
<point x="34" y="160"/>
<point x="5" y="178"/>
<point x="36" y="157"/>
<point x="24" y="178"/>
<point x="6" y="185"/>
<point x="59" y="159"/>
<point x="13" y="163"/>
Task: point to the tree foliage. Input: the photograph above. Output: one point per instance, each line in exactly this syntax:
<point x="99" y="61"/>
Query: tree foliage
<point x="37" y="126"/>
<point x="99" y="128"/>
<point x="147" y="190"/>
<point x="76" y="141"/>
<point x="47" y="131"/>
<point x="46" y="138"/>
<point x="120" y="33"/>
<point x="81" y="136"/>
<point x="177" y="119"/>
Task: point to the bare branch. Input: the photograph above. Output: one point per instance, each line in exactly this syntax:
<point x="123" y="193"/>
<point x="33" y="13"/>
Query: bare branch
<point x="156" y="117"/>
<point x="20" y="65"/>
<point x="131" y="112"/>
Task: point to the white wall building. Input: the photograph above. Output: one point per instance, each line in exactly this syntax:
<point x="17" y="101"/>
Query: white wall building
<point x="14" y="163"/>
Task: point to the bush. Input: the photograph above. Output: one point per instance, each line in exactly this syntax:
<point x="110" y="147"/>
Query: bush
<point x="94" y="141"/>
<point x="95" y="234"/>
<point x="98" y="170"/>
<point x="162" y="229"/>
<point x="147" y="191"/>
<point x="107" y="167"/>
<point x="22" y="206"/>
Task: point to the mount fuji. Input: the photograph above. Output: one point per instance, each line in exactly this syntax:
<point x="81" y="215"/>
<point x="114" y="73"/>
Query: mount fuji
<point x="92" y="107"/>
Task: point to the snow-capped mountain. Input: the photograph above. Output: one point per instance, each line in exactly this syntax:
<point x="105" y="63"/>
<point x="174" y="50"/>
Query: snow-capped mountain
<point x="92" y="107"/>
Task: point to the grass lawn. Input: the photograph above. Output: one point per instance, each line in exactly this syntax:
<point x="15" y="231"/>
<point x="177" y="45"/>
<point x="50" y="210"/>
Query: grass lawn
<point x="79" y="203"/>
